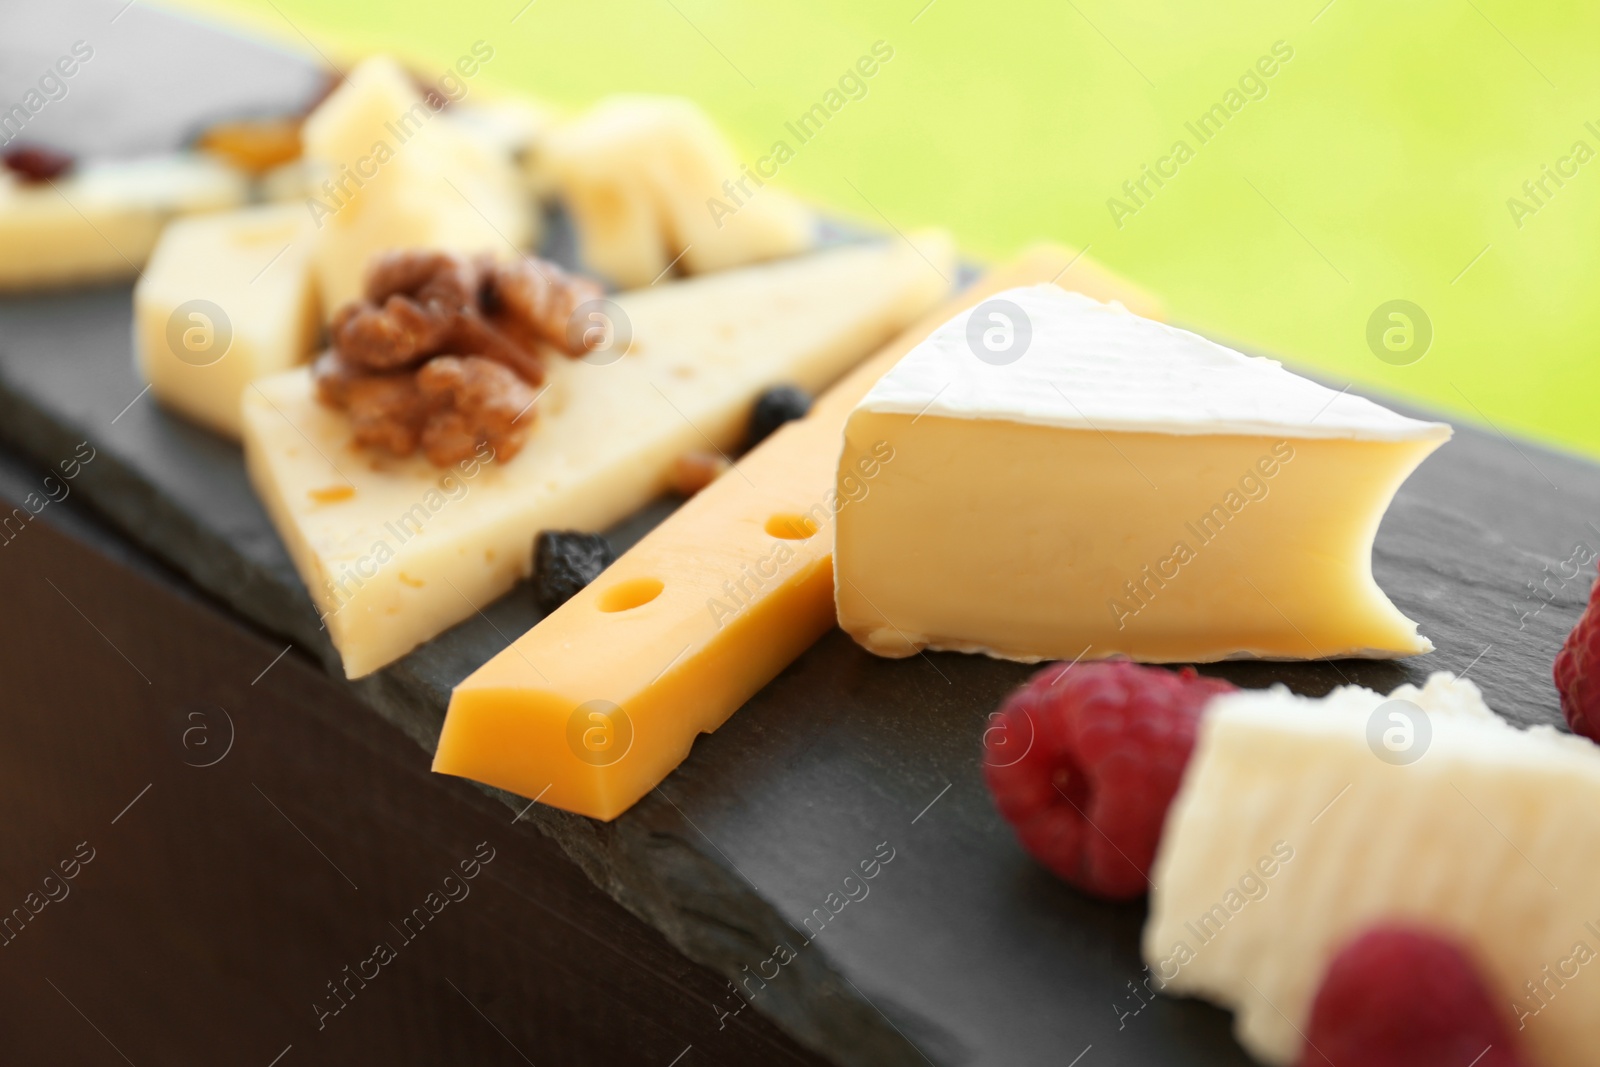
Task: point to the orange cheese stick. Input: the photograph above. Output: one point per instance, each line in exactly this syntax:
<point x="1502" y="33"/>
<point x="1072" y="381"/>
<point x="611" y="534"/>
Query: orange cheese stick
<point x="594" y="706"/>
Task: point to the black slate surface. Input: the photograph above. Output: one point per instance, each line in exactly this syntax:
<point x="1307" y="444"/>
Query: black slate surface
<point x="963" y="951"/>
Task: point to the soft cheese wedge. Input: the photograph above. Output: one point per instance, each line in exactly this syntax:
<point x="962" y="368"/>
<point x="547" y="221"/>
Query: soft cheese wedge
<point x="1301" y="823"/>
<point x="1085" y="482"/>
<point x="396" y="551"/>
<point x="395" y="174"/>
<point x="227" y="298"/>
<point x="593" y="707"/>
<point x="100" y="223"/>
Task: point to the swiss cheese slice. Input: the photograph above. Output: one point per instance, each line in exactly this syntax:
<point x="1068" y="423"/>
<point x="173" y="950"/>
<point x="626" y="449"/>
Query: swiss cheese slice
<point x="395" y="551"/>
<point x="1112" y="486"/>
<point x="1301" y="823"/>
<point x="227" y="298"/>
<point x="591" y="708"/>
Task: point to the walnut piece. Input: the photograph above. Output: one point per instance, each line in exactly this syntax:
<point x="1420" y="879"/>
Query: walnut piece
<point x="446" y="353"/>
<point x="693" y="471"/>
<point x="473" y="401"/>
<point x="544" y="298"/>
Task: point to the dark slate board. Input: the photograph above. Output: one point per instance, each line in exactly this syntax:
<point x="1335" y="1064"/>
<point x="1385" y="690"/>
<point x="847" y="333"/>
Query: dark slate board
<point x="963" y="951"/>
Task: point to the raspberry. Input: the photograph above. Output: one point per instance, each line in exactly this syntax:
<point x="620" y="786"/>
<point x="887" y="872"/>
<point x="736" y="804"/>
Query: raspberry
<point x="1398" y="996"/>
<point x="1102" y="750"/>
<point x="1578" y="671"/>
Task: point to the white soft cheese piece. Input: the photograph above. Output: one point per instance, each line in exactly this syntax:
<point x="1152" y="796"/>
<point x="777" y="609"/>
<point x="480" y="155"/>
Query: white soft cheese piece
<point x="1094" y="366"/>
<point x="1109" y="485"/>
<point x="396" y="551"/>
<point x="389" y="172"/>
<point x="227" y="298"/>
<point x="1291" y="836"/>
<point x="101" y="222"/>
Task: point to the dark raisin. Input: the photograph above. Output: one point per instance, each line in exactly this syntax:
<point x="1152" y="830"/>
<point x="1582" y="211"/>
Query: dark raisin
<point x="36" y="165"/>
<point x="564" y="561"/>
<point x="776" y="406"/>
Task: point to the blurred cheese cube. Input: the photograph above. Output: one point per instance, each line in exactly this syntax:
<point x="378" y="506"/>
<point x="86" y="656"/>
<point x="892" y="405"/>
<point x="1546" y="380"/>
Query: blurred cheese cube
<point x="397" y="175"/>
<point x="100" y="222"/>
<point x="650" y="178"/>
<point x="513" y="127"/>
<point x="227" y="298"/>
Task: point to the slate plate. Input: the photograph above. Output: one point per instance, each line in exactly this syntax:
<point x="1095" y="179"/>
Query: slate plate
<point x="963" y="951"/>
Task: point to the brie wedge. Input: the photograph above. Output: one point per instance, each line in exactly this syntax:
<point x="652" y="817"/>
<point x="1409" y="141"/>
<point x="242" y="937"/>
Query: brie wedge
<point x="1301" y="823"/>
<point x="1072" y="480"/>
<point x="227" y="298"/>
<point x="99" y="223"/>
<point x="396" y="551"/>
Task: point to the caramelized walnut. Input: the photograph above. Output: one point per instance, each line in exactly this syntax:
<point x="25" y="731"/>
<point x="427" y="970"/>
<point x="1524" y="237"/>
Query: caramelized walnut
<point x="445" y="353"/>
<point x="473" y="401"/>
<point x="386" y="411"/>
<point x="542" y="298"/>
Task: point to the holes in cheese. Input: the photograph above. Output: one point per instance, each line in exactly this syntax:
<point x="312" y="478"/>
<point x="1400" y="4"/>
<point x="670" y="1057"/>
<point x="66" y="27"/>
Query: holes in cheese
<point x="739" y="602"/>
<point x="633" y="593"/>
<point x="791" y="527"/>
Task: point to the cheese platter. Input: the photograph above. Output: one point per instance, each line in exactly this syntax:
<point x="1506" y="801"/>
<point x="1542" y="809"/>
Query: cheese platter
<point x="763" y="700"/>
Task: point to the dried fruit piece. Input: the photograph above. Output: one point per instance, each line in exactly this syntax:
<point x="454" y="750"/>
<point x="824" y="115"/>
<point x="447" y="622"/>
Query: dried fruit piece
<point x="1577" y="671"/>
<point x="35" y="165"/>
<point x="1398" y="996"/>
<point x="254" y="145"/>
<point x="693" y="471"/>
<point x="1083" y="761"/>
<point x="472" y="401"/>
<point x="776" y="406"/>
<point x="564" y="561"/>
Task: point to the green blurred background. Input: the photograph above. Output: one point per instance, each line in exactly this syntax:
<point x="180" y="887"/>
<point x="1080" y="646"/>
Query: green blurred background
<point x="1376" y="164"/>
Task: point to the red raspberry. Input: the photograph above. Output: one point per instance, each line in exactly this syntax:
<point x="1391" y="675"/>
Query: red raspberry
<point x="1084" y="760"/>
<point x="1398" y="996"/>
<point x="1578" y="671"/>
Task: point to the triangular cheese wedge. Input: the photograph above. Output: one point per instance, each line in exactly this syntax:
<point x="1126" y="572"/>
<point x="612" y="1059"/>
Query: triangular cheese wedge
<point x="396" y="551"/>
<point x="1088" y="483"/>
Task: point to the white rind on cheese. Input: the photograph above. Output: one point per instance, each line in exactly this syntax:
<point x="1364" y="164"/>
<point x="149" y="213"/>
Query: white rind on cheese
<point x="101" y="222"/>
<point x="1491" y="838"/>
<point x="1098" y="366"/>
<point x="603" y="444"/>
